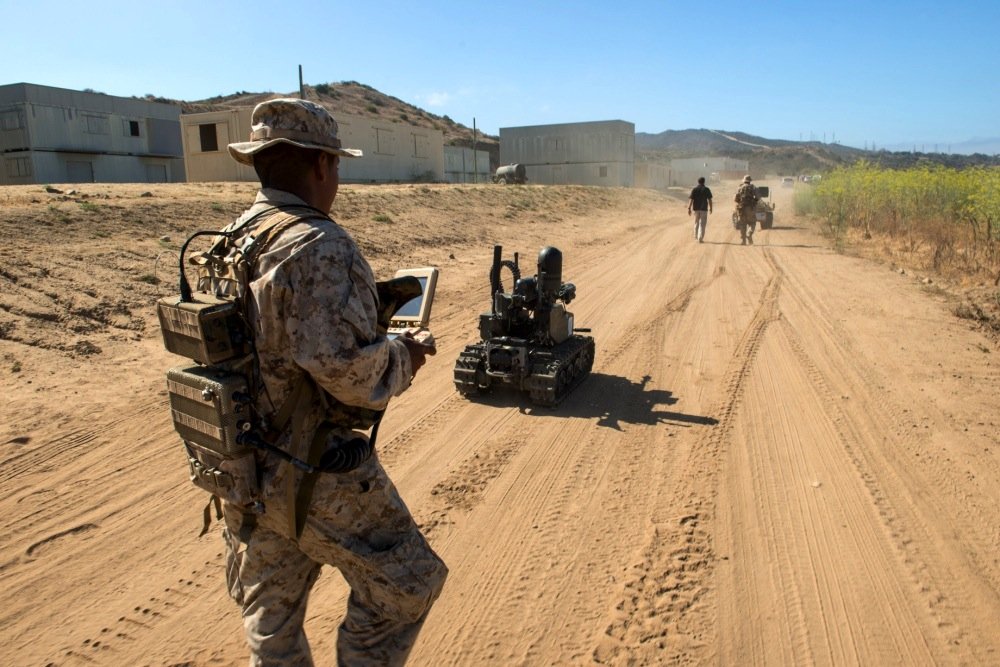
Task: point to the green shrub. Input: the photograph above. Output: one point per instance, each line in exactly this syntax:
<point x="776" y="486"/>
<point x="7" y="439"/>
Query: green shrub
<point x="953" y="212"/>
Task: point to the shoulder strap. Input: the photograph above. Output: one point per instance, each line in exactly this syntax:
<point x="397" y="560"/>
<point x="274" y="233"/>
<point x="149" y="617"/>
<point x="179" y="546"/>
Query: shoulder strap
<point x="267" y="232"/>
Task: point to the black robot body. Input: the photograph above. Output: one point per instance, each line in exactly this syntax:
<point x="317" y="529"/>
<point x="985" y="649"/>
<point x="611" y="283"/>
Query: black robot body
<point x="528" y="341"/>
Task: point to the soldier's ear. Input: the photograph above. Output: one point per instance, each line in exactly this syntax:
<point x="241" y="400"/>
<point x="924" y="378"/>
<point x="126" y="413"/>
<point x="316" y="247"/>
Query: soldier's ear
<point x="322" y="165"/>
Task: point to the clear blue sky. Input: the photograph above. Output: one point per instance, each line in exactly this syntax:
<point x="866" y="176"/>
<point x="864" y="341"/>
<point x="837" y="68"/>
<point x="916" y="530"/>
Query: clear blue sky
<point x="890" y="72"/>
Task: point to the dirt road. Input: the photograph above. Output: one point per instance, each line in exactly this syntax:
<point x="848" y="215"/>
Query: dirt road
<point x="783" y="455"/>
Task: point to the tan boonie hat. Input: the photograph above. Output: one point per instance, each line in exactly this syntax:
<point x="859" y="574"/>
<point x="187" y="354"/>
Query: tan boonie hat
<point x="746" y="179"/>
<point x="290" y="121"/>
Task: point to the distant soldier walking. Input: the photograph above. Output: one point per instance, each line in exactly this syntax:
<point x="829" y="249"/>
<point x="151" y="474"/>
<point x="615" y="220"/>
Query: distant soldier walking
<point x="746" y="210"/>
<point x="701" y="201"/>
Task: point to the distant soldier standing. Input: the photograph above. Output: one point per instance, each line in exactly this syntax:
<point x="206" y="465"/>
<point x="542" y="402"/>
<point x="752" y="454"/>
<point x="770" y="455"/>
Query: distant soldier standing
<point x="746" y="209"/>
<point x="701" y="201"/>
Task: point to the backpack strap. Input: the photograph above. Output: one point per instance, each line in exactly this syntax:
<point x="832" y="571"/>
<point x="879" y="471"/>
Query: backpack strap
<point x="294" y="408"/>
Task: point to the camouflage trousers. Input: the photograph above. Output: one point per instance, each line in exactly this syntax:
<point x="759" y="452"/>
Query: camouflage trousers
<point x="747" y="224"/>
<point x="357" y="523"/>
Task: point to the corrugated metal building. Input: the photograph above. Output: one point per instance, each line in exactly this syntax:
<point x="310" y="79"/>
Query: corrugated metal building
<point x="686" y="171"/>
<point x="461" y="165"/>
<point x="55" y="135"/>
<point x="593" y="153"/>
<point x="393" y="152"/>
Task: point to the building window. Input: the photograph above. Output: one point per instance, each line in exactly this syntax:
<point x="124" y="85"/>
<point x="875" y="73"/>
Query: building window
<point x="10" y="120"/>
<point x="209" y="138"/>
<point x="18" y="167"/>
<point x="131" y="128"/>
<point x="419" y="145"/>
<point x="383" y="141"/>
<point x="96" y="124"/>
<point x="604" y="172"/>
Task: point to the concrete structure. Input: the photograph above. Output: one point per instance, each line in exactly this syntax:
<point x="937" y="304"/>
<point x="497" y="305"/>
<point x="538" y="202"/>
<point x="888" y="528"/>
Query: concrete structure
<point x="652" y="175"/>
<point x="461" y="165"/>
<point x="54" y="135"/>
<point x="685" y="171"/>
<point x="393" y="152"/>
<point x="594" y="153"/>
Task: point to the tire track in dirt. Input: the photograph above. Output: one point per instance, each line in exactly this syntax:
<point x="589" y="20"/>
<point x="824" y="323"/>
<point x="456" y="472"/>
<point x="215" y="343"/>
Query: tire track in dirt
<point x="617" y="504"/>
<point x="38" y="458"/>
<point x="607" y="466"/>
<point x="503" y="586"/>
<point x="661" y="610"/>
<point x="676" y="304"/>
<point x="899" y="492"/>
<point x="842" y="629"/>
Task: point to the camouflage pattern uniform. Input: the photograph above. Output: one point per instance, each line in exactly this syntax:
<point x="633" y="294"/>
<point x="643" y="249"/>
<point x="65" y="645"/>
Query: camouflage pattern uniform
<point x="746" y="209"/>
<point x="313" y="306"/>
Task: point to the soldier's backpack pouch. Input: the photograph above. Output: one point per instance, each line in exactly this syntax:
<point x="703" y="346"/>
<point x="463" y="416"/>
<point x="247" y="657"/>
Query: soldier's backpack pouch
<point x="210" y="406"/>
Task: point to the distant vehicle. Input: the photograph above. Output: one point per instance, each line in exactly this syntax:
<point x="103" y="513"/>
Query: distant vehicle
<point x="788" y="182"/>
<point x="764" y="211"/>
<point x="765" y="207"/>
<point x="511" y="173"/>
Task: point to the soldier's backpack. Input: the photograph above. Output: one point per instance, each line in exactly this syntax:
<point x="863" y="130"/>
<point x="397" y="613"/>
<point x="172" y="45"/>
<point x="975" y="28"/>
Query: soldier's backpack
<point x="213" y="402"/>
<point x="746" y="196"/>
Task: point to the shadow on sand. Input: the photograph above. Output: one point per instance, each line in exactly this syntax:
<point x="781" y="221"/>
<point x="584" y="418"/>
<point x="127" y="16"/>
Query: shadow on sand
<point x="610" y="399"/>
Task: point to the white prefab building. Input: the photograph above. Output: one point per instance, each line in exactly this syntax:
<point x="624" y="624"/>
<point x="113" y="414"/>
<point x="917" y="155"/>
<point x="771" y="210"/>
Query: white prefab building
<point x="594" y="153"/>
<point x="55" y="135"/>
<point x="393" y="152"/>
<point x="463" y="165"/>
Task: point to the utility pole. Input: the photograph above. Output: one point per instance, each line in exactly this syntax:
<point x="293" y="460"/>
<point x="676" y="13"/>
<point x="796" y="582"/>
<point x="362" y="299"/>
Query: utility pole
<point x="475" y="158"/>
<point x="302" y="88"/>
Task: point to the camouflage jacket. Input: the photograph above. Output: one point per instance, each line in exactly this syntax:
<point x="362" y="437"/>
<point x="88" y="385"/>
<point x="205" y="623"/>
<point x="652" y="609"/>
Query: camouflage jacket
<point x="746" y="196"/>
<point x="313" y="308"/>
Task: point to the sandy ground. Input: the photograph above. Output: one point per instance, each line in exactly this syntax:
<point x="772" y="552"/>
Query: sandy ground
<point x="783" y="455"/>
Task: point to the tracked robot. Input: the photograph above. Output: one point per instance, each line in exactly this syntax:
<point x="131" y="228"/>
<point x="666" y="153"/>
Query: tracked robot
<point x="528" y="341"/>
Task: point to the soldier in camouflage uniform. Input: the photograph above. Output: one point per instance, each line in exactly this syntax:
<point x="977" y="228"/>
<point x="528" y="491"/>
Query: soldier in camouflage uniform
<point x="313" y="309"/>
<point x="746" y="210"/>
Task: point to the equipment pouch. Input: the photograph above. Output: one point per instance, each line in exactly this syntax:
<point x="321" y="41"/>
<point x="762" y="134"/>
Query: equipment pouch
<point x="233" y="479"/>
<point x="210" y="408"/>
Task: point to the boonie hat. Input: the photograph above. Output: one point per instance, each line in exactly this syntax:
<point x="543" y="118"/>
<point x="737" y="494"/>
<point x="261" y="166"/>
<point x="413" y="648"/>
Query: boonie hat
<point x="746" y="179"/>
<point x="290" y="121"/>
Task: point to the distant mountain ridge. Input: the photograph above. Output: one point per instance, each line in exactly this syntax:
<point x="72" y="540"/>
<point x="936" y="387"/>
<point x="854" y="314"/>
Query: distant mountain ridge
<point x="780" y="156"/>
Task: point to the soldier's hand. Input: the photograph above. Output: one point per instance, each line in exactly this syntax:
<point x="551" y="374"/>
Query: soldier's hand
<point x="419" y="349"/>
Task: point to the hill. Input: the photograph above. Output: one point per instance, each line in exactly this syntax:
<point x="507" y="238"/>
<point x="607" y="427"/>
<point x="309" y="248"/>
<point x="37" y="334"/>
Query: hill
<point x="357" y="99"/>
<point x="779" y="156"/>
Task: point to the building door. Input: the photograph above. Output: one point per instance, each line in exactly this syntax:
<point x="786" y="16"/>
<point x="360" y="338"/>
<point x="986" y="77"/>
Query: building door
<point x="156" y="173"/>
<point x="79" y="172"/>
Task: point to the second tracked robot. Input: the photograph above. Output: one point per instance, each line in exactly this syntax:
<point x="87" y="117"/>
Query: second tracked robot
<point x="528" y="341"/>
